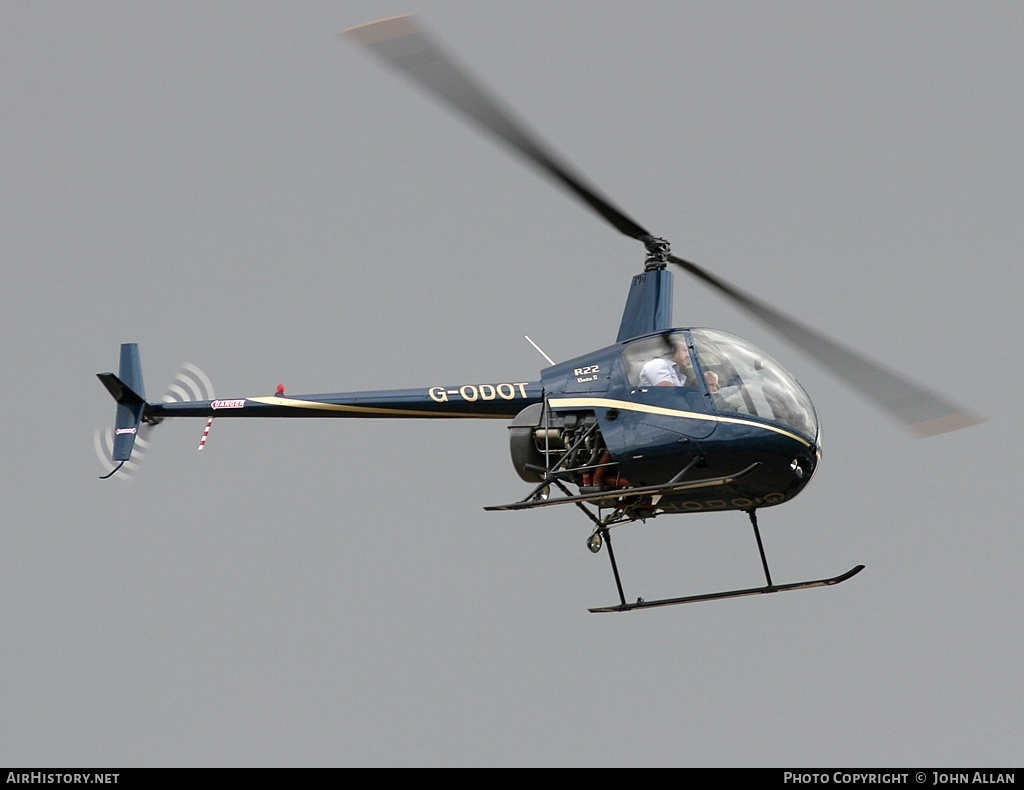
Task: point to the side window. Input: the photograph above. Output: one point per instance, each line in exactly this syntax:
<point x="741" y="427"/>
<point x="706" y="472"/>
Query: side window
<point x="639" y="353"/>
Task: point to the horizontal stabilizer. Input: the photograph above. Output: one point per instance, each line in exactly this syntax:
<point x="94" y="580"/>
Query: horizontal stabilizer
<point x="121" y="392"/>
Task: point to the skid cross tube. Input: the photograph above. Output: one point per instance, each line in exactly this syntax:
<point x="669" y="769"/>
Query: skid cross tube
<point x="628" y="495"/>
<point x="607" y="538"/>
<point x="760" y="546"/>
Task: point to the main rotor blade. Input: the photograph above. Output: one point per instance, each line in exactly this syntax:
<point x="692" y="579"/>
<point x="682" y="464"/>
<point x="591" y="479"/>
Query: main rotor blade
<point x="403" y="46"/>
<point x="924" y="412"/>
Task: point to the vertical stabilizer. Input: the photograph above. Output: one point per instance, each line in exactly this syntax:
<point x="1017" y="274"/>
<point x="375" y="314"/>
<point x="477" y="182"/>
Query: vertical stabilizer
<point x="127" y="389"/>
<point x="648" y="306"/>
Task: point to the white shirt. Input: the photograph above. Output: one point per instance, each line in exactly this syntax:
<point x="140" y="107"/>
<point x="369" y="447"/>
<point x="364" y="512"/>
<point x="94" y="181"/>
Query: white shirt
<point x="660" y="370"/>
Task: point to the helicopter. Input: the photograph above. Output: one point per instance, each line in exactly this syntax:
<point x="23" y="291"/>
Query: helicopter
<point x="666" y="420"/>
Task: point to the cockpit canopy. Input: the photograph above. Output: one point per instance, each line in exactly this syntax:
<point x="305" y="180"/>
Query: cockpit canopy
<point x="738" y="378"/>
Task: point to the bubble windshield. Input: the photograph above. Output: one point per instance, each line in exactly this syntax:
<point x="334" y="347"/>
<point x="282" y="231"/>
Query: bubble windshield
<point x="744" y="380"/>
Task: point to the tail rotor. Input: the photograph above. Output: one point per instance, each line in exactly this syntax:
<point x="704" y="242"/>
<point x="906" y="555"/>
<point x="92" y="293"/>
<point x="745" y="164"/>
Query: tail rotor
<point x="103" y="443"/>
<point x="190" y="383"/>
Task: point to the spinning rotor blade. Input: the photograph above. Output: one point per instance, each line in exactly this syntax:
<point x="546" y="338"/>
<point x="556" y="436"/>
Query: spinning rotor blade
<point x="103" y="444"/>
<point x="924" y="412"/>
<point x="403" y="46"/>
<point x="190" y="383"/>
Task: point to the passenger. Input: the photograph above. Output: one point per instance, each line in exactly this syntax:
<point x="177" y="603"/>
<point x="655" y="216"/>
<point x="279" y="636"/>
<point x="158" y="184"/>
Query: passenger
<point x="724" y="401"/>
<point x="671" y="372"/>
<point x="721" y="402"/>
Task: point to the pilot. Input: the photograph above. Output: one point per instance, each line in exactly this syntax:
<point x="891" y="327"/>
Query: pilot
<point x="671" y="372"/>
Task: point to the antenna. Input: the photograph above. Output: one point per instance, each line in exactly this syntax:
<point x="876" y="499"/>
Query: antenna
<point x="540" y="350"/>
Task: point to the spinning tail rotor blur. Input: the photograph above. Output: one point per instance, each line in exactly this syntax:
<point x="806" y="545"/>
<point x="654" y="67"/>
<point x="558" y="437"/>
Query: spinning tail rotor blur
<point x="190" y="383"/>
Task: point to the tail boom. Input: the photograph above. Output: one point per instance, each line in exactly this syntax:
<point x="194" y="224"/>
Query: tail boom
<point x="479" y="401"/>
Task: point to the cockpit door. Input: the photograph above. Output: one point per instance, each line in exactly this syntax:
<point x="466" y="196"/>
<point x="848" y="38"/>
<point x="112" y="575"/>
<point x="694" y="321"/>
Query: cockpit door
<point x="666" y="413"/>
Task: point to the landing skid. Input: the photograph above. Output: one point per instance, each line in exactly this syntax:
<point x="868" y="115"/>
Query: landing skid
<point x="642" y="604"/>
<point x="602" y="536"/>
<point x="629" y="494"/>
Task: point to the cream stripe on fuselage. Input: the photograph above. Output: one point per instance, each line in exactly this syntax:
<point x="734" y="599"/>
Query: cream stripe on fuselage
<point x="611" y="403"/>
<point x="276" y="400"/>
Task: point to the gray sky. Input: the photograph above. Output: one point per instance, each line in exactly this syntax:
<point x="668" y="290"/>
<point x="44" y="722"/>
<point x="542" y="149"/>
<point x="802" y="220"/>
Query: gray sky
<point x="233" y="185"/>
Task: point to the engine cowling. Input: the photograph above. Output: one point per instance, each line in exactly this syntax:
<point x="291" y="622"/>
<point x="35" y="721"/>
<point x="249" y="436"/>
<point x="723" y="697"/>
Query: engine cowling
<point x="523" y="443"/>
<point x="539" y="441"/>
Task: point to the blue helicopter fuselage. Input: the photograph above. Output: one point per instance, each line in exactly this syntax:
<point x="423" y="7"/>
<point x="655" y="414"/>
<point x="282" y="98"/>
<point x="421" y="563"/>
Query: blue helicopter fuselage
<point x="736" y="407"/>
<point x="595" y="420"/>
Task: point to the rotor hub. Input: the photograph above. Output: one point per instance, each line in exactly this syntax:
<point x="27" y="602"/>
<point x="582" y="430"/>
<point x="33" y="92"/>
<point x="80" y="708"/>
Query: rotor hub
<point x="657" y="253"/>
